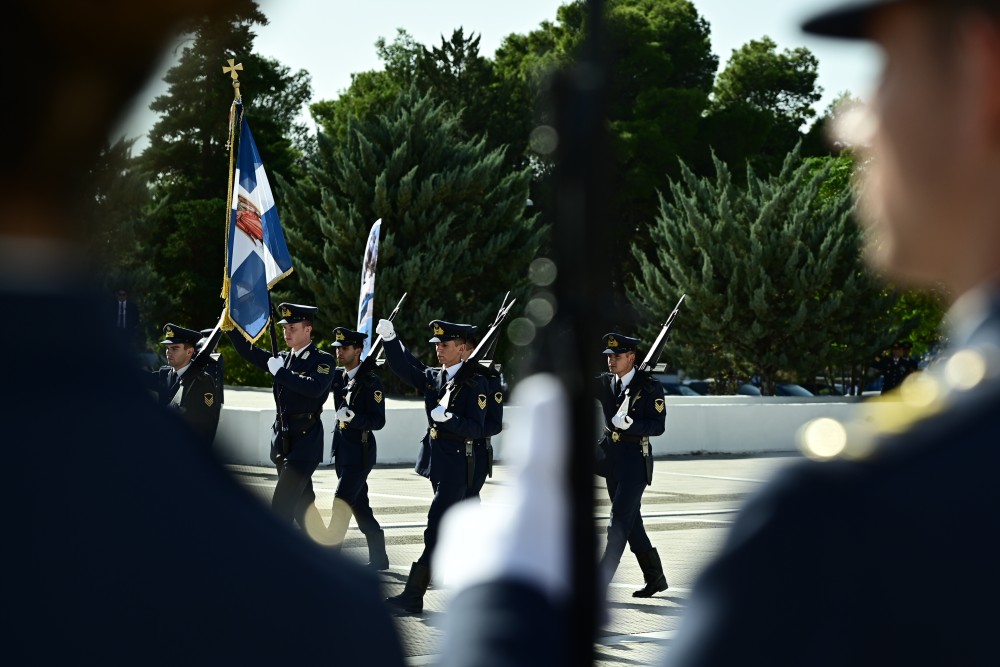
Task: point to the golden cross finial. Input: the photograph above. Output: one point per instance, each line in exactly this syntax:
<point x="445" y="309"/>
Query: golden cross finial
<point x="233" y="70"/>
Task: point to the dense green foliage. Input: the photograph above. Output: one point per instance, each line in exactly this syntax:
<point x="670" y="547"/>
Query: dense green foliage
<point x="710" y="195"/>
<point x="772" y="271"/>
<point x="455" y="232"/>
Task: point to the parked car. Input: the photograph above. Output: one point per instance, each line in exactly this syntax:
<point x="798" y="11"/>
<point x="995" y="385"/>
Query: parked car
<point x="678" y="389"/>
<point x="780" y="389"/>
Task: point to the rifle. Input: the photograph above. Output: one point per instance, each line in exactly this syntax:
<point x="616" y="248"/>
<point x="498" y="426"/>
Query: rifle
<point x="488" y="357"/>
<point x="653" y="356"/>
<point x="203" y="355"/>
<point x="475" y="362"/>
<point x="372" y="357"/>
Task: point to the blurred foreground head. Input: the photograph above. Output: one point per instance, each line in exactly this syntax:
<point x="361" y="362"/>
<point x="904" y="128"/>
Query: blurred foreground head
<point x="74" y="68"/>
<point x="931" y="183"/>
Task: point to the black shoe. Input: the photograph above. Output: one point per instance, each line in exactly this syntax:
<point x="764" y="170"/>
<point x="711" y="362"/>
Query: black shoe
<point x="378" y="559"/>
<point x="412" y="597"/>
<point x="652" y="573"/>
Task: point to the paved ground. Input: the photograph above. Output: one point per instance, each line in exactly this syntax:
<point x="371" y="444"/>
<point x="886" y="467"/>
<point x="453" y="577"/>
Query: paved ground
<point x="687" y="512"/>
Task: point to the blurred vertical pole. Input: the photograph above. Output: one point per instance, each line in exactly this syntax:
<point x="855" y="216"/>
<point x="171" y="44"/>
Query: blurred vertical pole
<point x="582" y="290"/>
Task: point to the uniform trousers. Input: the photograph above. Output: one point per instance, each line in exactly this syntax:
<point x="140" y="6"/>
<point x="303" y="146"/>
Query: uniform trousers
<point x="626" y="484"/>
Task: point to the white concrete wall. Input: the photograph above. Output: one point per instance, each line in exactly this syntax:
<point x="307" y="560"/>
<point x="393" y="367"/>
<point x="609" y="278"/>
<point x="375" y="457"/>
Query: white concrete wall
<point x="706" y="424"/>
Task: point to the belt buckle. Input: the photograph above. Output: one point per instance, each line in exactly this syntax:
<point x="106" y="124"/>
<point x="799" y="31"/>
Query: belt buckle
<point x="434" y="433"/>
<point x="615" y="436"/>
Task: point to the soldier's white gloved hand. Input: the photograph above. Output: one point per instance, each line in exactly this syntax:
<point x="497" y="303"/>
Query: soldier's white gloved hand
<point x="621" y="421"/>
<point x="439" y="414"/>
<point x="385" y="329"/>
<point x="274" y="363"/>
<point x="345" y="414"/>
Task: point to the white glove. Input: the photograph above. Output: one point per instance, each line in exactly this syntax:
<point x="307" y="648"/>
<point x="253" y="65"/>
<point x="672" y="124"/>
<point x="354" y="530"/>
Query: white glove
<point x="385" y="329"/>
<point x="439" y="414"/>
<point x="622" y="422"/>
<point x="275" y="363"/>
<point x="345" y="414"/>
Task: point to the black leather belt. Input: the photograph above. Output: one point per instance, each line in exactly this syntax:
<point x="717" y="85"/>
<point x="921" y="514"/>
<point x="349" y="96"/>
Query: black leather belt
<point x="437" y="435"/>
<point x="618" y="436"/>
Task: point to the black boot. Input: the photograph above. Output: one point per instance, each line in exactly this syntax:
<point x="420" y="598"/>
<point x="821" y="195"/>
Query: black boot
<point x="412" y="597"/>
<point x="652" y="573"/>
<point x="378" y="559"/>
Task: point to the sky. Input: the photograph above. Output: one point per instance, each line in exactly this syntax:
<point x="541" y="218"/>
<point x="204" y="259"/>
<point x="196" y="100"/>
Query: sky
<point x="331" y="39"/>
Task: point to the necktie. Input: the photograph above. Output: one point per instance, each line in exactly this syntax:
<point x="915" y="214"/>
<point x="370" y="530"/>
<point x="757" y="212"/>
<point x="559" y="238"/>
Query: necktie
<point x="618" y="386"/>
<point x="121" y="314"/>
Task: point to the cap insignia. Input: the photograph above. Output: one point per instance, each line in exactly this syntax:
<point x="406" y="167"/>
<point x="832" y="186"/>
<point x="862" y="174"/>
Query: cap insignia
<point x="438" y="330"/>
<point x="612" y="341"/>
<point x="285" y="311"/>
<point x="339" y="336"/>
<point x="169" y="333"/>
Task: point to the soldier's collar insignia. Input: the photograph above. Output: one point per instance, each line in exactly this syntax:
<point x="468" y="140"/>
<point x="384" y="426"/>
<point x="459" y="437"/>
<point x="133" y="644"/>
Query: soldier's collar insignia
<point x="378" y="397"/>
<point x="285" y="311"/>
<point x="482" y="401"/>
<point x="438" y="330"/>
<point x="305" y="355"/>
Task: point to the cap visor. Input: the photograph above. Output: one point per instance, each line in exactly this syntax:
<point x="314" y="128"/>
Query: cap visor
<point x="848" y="22"/>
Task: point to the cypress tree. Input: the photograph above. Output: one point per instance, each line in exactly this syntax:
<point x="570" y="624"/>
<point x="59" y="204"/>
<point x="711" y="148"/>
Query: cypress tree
<point x="455" y="232"/>
<point x="772" y="271"/>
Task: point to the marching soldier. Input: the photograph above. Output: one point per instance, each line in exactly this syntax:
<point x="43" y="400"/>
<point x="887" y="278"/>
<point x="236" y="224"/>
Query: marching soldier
<point x="191" y="391"/>
<point x="456" y="406"/>
<point x="302" y="378"/>
<point x="634" y="410"/>
<point x="360" y="411"/>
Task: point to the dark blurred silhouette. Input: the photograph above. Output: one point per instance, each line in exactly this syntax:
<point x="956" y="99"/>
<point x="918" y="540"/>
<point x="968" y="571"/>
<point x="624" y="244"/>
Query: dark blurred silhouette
<point x="134" y="546"/>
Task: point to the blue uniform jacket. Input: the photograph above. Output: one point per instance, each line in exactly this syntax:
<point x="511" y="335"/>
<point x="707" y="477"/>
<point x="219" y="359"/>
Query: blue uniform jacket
<point x="200" y="398"/>
<point x="303" y="387"/>
<point x="647" y="409"/>
<point x="494" y="412"/>
<point x="368" y="404"/>
<point x="443" y="456"/>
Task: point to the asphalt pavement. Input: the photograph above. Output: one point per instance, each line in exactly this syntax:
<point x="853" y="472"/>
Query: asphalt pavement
<point x="686" y="511"/>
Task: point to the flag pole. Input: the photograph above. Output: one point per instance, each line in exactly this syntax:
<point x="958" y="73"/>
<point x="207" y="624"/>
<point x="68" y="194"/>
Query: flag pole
<point x="235" y="117"/>
<point x="226" y="322"/>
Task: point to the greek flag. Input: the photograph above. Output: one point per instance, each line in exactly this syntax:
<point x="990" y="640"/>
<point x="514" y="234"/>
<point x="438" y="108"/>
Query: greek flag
<point x="366" y="303"/>
<point x="256" y="254"/>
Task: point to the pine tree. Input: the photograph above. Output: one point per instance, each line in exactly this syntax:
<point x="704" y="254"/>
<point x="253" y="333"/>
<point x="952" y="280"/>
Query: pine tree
<point x="188" y="159"/>
<point x="455" y="232"/>
<point x="772" y="271"/>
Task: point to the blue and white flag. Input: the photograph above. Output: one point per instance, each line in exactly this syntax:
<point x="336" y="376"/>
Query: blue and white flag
<point x="256" y="254"/>
<point x="366" y="303"/>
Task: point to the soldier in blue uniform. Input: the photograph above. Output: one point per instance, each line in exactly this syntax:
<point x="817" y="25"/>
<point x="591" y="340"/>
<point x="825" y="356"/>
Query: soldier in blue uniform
<point x="626" y="458"/>
<point x="360" y="411"/>
<point x="302" y="378"/>
<point x="191" y="391"/>
<point x="455" y="417"/>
